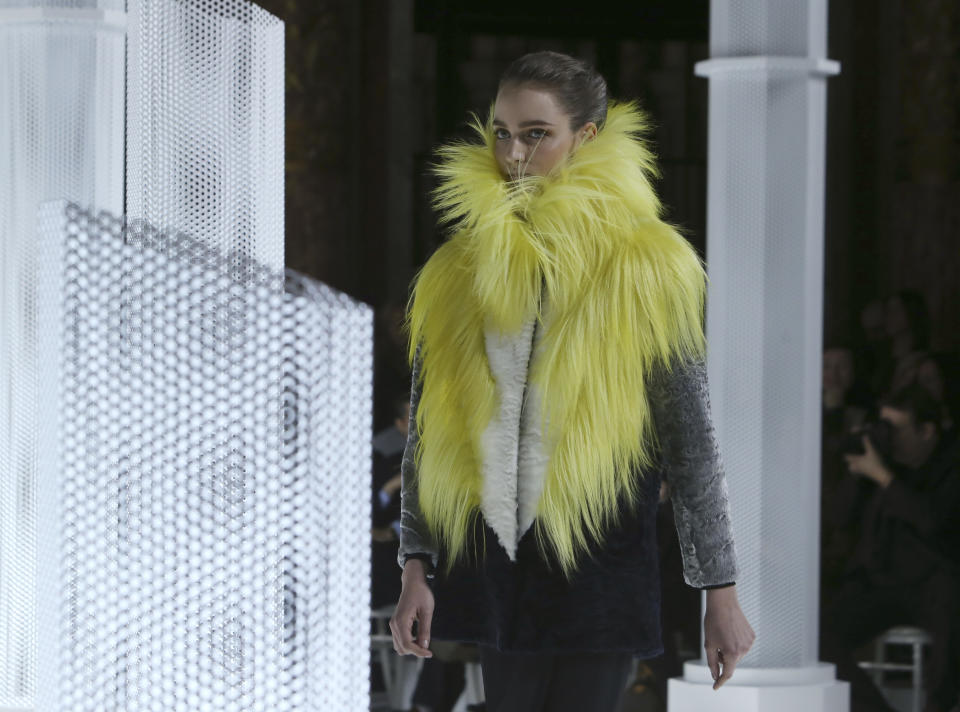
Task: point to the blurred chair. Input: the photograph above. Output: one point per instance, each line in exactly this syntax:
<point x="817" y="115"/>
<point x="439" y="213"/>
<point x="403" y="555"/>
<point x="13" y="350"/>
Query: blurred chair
<point x="916" y="638"/>
<point x="472" y="696"/>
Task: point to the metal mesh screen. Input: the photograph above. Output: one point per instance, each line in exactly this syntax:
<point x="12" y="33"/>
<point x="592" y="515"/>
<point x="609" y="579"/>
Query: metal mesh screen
<point x="205" y="123"/>
<point x="203" y="495"/>
<point x="61" y="128"/>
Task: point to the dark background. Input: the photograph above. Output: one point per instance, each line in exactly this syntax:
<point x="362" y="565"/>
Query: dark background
<point x="374" y="85"/>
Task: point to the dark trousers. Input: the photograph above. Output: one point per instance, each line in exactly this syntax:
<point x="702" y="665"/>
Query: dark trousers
<point x="554" y="682"/>
<point x="862" y="609"/>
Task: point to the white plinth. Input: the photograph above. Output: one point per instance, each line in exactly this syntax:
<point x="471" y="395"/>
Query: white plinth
<point x="807" y="689"/>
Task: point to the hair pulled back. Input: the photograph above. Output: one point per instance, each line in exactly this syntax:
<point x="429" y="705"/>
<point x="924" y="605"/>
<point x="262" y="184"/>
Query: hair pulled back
<point x="578" y="88"/>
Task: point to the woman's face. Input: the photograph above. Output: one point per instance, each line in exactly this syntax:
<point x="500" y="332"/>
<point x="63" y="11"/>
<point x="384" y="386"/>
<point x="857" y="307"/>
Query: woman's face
<point x="532" y="132"/>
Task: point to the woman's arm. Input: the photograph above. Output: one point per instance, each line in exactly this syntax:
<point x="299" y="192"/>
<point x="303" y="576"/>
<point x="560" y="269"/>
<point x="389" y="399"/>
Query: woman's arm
<point x="691" y="461"/>
<point x="415" y="539"/>
<point x="680" y="403"/>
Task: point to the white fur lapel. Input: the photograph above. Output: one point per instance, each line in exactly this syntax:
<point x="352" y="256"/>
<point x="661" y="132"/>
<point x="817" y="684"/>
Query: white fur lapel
<point x="513" y="459"/>
<point x="533" y="458"/>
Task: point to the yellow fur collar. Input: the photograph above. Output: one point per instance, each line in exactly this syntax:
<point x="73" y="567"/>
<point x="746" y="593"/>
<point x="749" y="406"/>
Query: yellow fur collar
<point x="625" y="292"/>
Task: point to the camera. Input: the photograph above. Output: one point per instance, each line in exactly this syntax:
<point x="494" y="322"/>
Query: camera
<point x="879" y="431"/>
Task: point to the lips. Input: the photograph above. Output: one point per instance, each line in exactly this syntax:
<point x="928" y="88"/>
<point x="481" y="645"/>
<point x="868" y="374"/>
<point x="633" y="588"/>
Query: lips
<point x="512" y="176"/>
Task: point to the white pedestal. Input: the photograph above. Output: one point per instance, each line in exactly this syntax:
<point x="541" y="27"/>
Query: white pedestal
<point x="807" y="689"/>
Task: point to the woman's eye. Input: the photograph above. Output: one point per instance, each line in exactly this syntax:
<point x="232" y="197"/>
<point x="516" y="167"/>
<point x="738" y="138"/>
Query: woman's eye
<point x="532" y="134"/>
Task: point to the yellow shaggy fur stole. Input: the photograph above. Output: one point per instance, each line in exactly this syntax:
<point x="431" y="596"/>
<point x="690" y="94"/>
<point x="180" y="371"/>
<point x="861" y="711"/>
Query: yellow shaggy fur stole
<point x="625" y="293"/>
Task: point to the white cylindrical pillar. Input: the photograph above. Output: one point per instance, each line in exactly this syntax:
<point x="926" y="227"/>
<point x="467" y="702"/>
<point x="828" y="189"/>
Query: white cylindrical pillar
<point x="767" y="121"/>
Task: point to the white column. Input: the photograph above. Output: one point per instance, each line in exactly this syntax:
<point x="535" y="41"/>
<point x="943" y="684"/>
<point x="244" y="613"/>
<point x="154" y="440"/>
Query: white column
<point x="61" y="132"/>
<point x="767" y="123"/>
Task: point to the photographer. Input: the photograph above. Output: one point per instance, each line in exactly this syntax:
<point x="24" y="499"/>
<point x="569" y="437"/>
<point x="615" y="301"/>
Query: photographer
<point x="905" y="569"/>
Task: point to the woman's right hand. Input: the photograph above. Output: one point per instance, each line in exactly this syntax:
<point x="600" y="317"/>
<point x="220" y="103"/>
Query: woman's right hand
<point x="415" y="604"/>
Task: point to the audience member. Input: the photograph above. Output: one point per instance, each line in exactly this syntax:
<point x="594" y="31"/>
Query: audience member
<point x="907" y="324"/>
<point x="871" y="353"/>
<point x="905" y="569"/>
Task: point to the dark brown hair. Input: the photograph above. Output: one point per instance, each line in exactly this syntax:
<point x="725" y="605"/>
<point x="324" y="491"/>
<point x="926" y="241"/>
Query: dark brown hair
<point x="578" y="88"/>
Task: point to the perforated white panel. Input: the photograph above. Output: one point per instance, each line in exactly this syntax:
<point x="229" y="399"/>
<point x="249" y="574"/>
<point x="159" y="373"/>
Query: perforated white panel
<point x="61" y="129"/>
<point x="328" y="366"/>
<point x="204" y="494"/>
<point x="205" y="123"/>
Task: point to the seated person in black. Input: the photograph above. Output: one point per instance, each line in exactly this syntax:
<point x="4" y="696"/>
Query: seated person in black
<point x="905" y="569"/>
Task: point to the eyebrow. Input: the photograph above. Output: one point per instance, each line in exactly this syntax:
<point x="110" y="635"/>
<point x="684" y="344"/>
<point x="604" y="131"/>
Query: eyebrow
<point x="524" y="124"/>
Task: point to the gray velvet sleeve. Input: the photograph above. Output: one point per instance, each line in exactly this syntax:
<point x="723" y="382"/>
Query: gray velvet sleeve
<point x="680" y="402"/>
<point x="414" y="535"/>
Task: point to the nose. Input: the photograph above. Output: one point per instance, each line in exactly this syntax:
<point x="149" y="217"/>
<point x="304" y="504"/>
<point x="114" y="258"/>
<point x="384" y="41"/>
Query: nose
<point x="516" y="151"/>
<point x="514" y="158"/>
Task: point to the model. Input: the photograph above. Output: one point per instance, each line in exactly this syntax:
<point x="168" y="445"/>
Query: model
<point x="558" y="359"/>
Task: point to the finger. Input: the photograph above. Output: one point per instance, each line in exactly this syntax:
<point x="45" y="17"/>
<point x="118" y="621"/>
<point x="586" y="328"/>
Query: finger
<point x="728" y="667"/>
<point x="713" y="662"/>
<point x="395" y="631"/>
<point x="404" y="633"/>
<point x="407" y="643"/>
<point x="426" y="617"/>
<point x="396" y="639"/>
<point x="397" y="628"/>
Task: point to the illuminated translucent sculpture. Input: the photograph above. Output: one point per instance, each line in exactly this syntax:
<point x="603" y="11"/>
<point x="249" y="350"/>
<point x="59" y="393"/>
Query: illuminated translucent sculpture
<point x="328" y="416"/>
<point x="61" y="129"/>
<point x="203" y="483"/>
<point x="185" y="458"/>
<point x="205" y="123"/>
